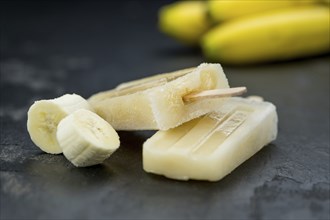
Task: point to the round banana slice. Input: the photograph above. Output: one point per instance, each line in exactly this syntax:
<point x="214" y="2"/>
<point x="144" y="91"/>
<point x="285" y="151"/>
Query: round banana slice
<point x="44" y="116"/>
<point x="86" y="139"/>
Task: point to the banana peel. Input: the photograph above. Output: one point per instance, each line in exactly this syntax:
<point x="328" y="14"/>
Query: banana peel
<point x="224" y="10"/>
<point x="272" y="36"/>
<point x="185" y="21"/>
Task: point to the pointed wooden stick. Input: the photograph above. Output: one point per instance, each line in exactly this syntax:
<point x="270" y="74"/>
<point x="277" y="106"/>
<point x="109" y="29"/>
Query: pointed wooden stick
<point x="215" y="93"/>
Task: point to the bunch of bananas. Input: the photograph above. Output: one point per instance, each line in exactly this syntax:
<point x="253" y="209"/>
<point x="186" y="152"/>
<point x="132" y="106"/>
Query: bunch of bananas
<point x="249" y="31"/>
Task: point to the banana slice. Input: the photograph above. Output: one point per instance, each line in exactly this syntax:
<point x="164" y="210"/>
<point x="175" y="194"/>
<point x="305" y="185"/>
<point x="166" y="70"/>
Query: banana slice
<point x="86" y="139"/>
<point x="44" y="116"/>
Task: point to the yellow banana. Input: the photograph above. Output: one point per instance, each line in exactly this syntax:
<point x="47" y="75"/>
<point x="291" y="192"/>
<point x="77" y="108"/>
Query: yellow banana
<point x="223" y="10"/>
<point x="277" y="35"/>
<point x="327" y="2"/>
<point x="185" y="21"/>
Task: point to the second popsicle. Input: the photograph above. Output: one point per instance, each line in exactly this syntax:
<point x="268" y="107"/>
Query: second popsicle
<point x="158" y="102"/>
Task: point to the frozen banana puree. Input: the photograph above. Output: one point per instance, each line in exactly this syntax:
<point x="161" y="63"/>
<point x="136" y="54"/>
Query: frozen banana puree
<point x="212" y="146"/>
<point x="156" y="103"/>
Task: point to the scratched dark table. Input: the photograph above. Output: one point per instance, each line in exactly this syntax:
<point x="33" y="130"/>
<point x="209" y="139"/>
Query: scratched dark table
<point x="49" y="48"/>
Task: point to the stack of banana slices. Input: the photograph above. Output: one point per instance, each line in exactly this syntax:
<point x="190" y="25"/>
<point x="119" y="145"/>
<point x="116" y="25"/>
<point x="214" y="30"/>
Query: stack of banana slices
<point x="68" y="125"/>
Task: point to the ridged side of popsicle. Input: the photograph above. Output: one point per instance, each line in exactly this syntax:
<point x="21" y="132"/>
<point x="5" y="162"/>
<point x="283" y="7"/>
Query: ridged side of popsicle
<point x="212" y="146"/>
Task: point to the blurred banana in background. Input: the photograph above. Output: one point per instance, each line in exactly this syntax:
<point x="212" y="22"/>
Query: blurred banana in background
<point x="243" y="32"/>
<point x="225" y="10"/>
<point x="278" y="35"/>
<point x="185" y="21"/>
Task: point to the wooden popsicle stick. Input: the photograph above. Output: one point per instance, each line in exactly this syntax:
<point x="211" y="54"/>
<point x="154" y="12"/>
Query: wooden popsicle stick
<point x="215" y="93"/>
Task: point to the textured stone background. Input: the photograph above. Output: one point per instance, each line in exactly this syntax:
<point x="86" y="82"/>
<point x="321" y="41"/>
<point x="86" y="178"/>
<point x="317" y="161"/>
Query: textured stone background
<point x="52" y="48"/>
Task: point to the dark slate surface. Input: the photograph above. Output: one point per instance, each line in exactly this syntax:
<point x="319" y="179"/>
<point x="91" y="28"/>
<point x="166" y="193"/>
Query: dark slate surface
<point x="52" y="48"/>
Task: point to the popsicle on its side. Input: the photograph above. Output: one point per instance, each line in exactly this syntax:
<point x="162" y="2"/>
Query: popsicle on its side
<point x="212" y="146"/>
<point x="156" y="103"/>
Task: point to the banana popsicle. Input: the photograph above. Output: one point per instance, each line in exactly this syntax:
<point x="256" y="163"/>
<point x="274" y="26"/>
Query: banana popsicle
<point x="157" y="102"/>
<point x="212" y="146"/>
